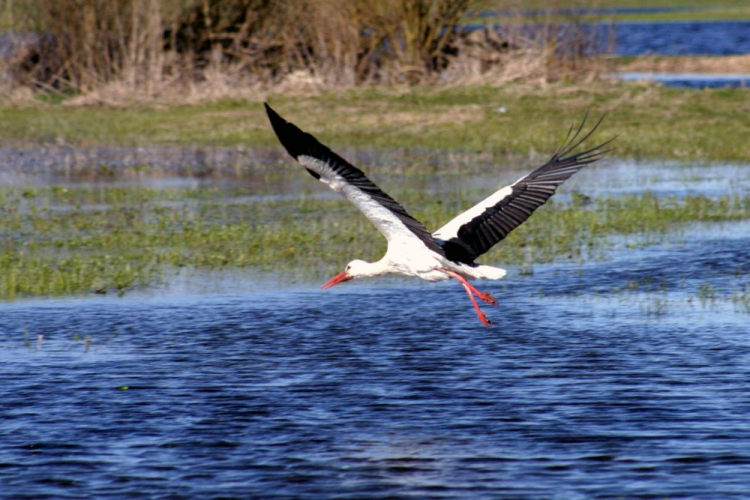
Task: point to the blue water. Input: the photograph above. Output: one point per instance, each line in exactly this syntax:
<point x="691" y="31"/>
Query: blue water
<point x="601" y="380"/>
<point x="690" y="80"/>
<point x="673" y="38"/>
<point x="713" y="38"/>
<point x="676" y="38"/>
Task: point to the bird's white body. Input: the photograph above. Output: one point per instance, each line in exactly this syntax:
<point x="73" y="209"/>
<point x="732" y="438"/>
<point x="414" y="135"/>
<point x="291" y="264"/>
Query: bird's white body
<point x="449" y="252"/>
<point x="406" y="254"/>
<point x="425" y="265"/>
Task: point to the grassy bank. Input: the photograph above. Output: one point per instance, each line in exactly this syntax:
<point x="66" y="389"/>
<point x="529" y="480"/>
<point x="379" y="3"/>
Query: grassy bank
<point x="685" y="64"/>
<point x="603" y="11"/>
<point x="59" y="241"/>
<point x="653" y="121"/>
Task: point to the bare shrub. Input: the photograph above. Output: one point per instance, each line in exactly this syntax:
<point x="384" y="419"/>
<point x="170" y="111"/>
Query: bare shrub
<point x="99" y="41"/>
<point x="151" y="49"/>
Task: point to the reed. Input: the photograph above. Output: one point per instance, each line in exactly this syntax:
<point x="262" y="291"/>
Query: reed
<point x="155" y="49"/>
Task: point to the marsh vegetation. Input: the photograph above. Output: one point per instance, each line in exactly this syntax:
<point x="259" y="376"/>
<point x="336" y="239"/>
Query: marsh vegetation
<point x="135" y="160"/>
<point x="385" y="89"/>
<point x="111" y="238"/>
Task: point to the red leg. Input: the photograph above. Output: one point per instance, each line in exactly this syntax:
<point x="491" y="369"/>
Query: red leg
<point x="485" y="296"/>
<point x="480" y="314"/>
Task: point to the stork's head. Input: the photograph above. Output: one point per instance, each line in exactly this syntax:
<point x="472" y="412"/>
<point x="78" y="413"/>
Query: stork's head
<point x="354" y="269"/>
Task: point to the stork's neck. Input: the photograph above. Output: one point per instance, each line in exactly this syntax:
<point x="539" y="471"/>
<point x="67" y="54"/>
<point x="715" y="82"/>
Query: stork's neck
<point x="370" y="269"/>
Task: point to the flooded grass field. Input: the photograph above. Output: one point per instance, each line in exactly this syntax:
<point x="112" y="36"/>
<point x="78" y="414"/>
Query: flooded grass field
<point x="616" y="366"/>
<point x="127" y="230"/>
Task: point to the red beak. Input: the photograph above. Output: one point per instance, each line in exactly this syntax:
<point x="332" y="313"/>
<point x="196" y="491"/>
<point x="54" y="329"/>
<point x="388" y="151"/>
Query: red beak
<point x="339" y="278"/>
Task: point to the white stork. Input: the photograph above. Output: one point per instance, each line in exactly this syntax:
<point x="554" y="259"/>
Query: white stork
<point x="450" y="251"/>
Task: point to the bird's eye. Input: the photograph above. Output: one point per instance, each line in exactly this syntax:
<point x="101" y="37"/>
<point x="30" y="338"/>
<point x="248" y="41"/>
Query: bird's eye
<point x="347" y="268"/>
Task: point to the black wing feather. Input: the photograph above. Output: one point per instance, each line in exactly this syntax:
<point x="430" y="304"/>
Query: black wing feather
<point x="299" y="143"/>
<point x="484" y="231"/>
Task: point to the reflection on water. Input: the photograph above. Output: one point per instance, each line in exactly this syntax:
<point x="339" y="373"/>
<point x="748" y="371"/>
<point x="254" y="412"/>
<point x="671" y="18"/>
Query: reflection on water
<point x="265" y="175"/>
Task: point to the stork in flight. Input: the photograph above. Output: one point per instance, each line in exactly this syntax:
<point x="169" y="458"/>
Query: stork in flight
<point x="450" y="251"/>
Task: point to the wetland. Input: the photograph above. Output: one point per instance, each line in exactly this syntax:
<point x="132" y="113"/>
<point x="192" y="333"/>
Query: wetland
<point x="163" y="332"/>
<point x="124" y="227"/>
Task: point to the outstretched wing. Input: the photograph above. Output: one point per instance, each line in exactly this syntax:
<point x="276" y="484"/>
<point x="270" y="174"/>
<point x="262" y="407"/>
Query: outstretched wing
<point x="478" y="229"/>
<point x="341" y="176"/>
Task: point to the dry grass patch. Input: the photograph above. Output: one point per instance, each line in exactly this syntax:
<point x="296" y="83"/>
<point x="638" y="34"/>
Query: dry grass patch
<point x="691" y="64"/>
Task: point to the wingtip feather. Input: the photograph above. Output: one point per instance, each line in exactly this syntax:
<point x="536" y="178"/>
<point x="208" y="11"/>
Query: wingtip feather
<point x="273" y="116"/>
<point x="289" y="135"/>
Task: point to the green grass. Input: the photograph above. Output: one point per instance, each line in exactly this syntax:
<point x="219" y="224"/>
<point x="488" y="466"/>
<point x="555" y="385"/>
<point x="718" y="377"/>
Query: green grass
<point x="76" y="240"/>
<point x="738" y="13"/>
<point x="694" y="10"/>
<point x="701" y="13"/>
<point x="653" y="122"/>
<point x="109" y="240"/>
<point x="542" y="4"/>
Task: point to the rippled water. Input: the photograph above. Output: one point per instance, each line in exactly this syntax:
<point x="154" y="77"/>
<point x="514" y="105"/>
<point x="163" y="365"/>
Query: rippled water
<point x="392" y="389"/>
<point x="712" y="38"/>
<point x="621" y="378"/>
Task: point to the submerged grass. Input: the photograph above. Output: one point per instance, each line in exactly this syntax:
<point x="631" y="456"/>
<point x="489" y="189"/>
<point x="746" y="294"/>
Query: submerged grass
<point x="111" y="239"/>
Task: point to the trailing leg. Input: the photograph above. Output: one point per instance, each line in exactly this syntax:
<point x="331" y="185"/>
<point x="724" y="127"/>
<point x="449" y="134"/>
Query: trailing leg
<point x="485" y="296"/>
<point x="480" y="314"/>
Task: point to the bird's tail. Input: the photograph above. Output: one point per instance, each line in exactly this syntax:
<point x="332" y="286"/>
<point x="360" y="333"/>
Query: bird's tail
<point x="490" y="273"/>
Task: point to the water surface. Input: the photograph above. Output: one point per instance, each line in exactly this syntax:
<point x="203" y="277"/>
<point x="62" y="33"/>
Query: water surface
<point x="601" y="380"/>
<point x="620" y="377"/>
<point x="637" y="38"/>
<point x="689" y="80"/>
